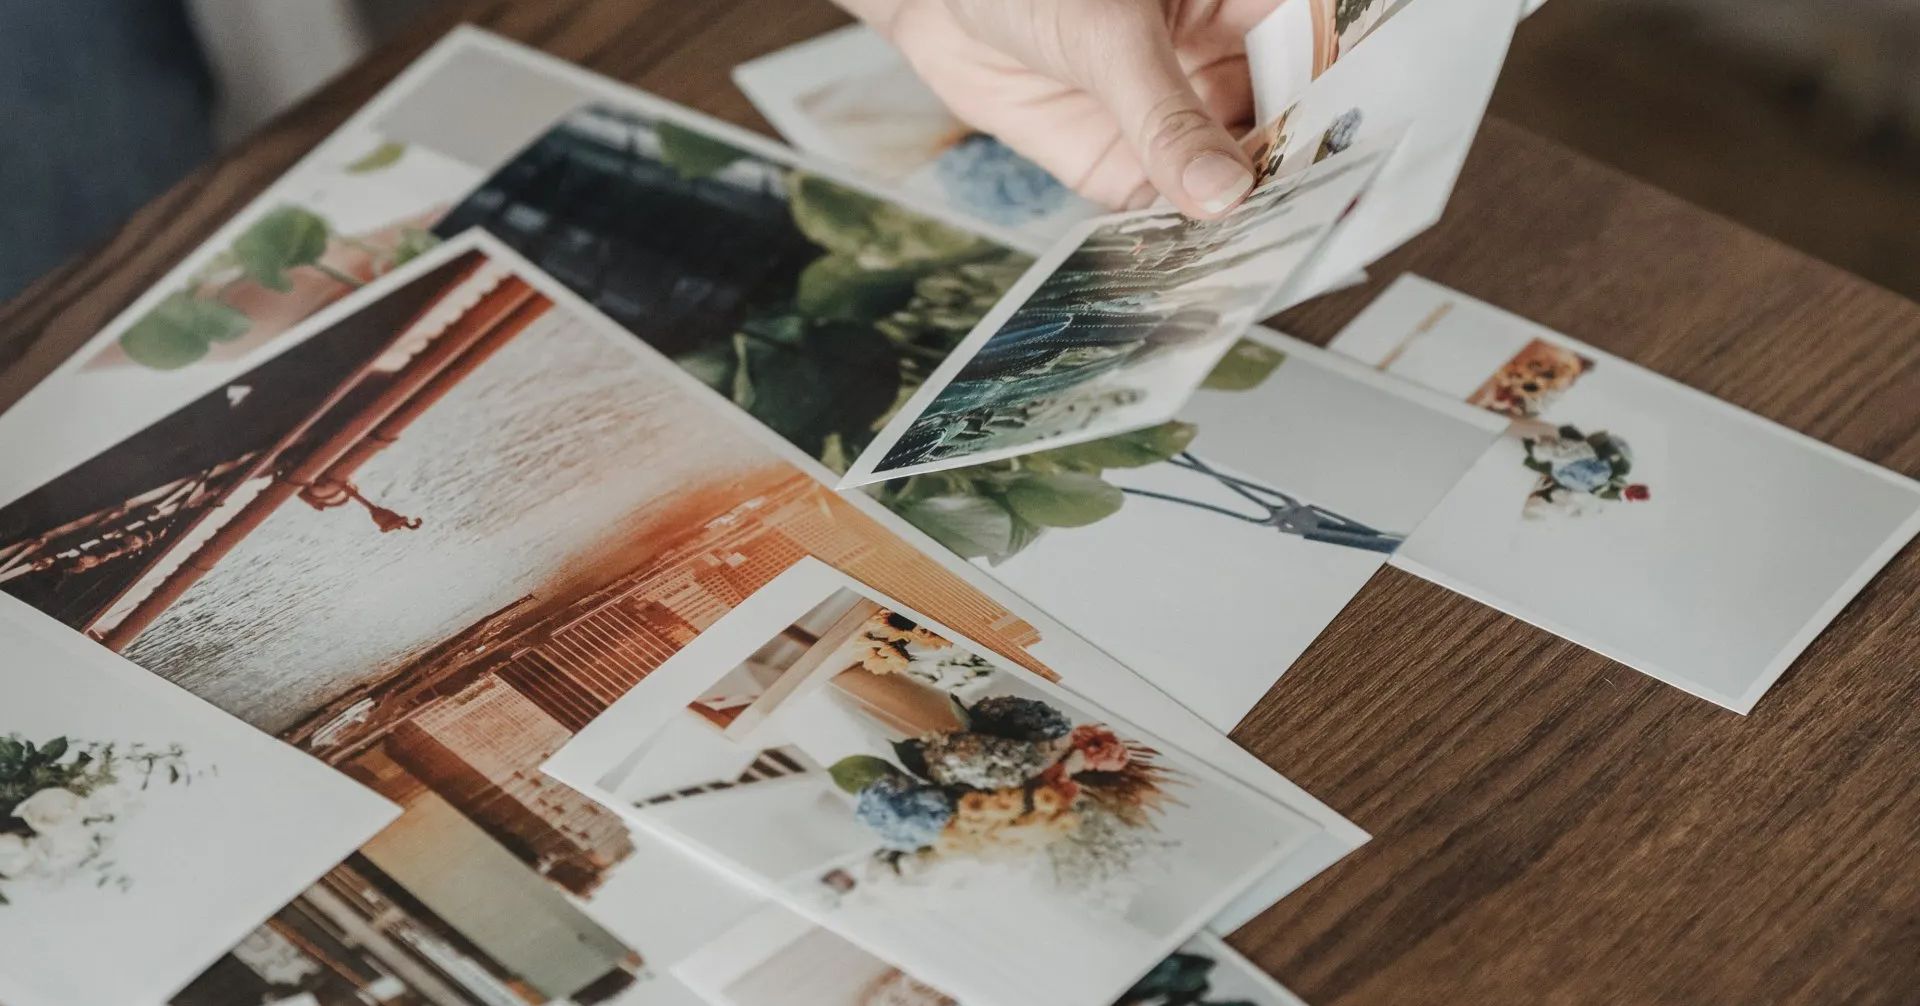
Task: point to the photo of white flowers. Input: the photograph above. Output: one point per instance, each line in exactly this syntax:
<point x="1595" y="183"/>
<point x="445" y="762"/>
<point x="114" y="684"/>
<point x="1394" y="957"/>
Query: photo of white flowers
<point x="1114" y="328"/>
<point x="1627" y="512"/>
<point x="962" y="818"/>
<point x="127" y="805"/>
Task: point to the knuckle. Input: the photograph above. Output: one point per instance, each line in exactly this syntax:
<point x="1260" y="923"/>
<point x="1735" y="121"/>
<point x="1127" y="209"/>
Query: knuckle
<point x="1172" y="123"/>
<point x="1116" y="24"/>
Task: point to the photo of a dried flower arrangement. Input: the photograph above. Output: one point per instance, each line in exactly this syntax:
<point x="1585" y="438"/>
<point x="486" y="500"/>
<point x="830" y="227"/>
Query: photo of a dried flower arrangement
<point x="936" y="807"/>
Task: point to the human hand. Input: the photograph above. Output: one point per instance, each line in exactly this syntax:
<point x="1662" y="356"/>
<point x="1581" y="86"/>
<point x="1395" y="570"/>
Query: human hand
<point x="1124" y="100"/>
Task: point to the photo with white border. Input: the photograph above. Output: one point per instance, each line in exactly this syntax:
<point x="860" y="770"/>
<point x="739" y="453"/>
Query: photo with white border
<point x="127" y="806"/>
<point x="1425" y="75"/>
<point x="850" y="96"/>
<point x="778" y="958"/>
<point x="966" y="819"/>
<point x="1635" y="516"/>
<point x="1113" y="329"/>
<point x="1287" y="480"/>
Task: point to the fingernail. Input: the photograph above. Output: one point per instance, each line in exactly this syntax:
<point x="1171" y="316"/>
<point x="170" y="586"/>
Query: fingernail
<point x="1215" y="181"/>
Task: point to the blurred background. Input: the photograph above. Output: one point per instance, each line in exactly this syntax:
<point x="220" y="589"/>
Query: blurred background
<point x="1797" y="118"/>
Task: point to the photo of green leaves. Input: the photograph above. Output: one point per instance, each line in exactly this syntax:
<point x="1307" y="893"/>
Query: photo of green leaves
<point x="993" y="510"/>
<point x="281" y="266"/>
<point x="815" y="307"/>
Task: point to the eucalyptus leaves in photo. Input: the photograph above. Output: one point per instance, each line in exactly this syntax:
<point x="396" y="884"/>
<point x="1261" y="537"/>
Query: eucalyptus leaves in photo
<point x="992" y="511"/>
<point x="268" y="255"/>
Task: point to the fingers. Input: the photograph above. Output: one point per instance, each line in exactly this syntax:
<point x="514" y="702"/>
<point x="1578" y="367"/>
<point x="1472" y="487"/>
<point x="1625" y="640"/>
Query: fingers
<point x="1226" y="91"/>
<point x="1187" y="153"/>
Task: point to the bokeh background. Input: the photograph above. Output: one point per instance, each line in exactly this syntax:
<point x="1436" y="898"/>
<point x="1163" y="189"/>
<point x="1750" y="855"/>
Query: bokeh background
<point x="1798" y="118"/>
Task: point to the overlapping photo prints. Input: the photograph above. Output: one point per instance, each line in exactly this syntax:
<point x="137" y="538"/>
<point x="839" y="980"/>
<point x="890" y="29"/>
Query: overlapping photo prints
<point x="962" y="818"/>
<point x="777" y="958"/>
<point x="1114" y="328"/>
<point x="849" y="96"/>
<point x="1633" y="515"/>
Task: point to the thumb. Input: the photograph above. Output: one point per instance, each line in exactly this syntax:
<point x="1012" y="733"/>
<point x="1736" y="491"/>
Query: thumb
<point x="1188" y="155"/>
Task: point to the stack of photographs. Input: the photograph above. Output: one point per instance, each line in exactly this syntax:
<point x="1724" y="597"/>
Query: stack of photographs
<point x="1425" y="73"/>
<point x="1113" y="330"/>
<point x="426" y="514"/>
<point x="955" y="815"/>
<point x="562" y="549"/>
<point x="440" y="534"/>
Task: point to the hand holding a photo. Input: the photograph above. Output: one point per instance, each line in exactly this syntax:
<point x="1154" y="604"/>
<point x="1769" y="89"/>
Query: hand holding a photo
<point x="1124" y="100"/>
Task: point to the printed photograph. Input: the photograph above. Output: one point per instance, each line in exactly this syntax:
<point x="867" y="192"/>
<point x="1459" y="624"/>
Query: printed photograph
<point x="360" y="205"/>
<point x="777" y="958"/>
<point x="425" y="545"/>
<point x="1286" y="481"/>
<point x="816" y="308"/>
<point x="1657" y="506"/>
<point x="366" y="204"/>
<point x="1116" y="328"/>
<point x="127" y="805"/>
<point x="1424" y="77"/>
<point x="1302" y="38"/>
<point x="813" y="304"/>
<point x="959" y="816"/>
<point x="351" y="940"/>
<point x="850" y="96"/>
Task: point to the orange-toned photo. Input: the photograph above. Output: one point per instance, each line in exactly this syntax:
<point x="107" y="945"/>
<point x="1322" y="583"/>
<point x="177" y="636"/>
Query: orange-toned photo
<point x="426" y="545"/>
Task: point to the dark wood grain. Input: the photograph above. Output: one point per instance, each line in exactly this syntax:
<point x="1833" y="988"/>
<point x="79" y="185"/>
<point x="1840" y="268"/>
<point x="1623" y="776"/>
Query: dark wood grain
<point x="1550" y="827"/>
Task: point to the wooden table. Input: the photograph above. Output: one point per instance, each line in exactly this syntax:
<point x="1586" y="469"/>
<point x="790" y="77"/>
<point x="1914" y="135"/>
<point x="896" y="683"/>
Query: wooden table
<point x="1549" y="827"/>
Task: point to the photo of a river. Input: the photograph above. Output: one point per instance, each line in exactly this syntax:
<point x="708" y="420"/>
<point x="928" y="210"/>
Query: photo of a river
<point x="545" y="472"/>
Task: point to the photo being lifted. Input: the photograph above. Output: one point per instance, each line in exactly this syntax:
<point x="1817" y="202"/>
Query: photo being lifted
<point x="1425" y="74"/>
<point x="1301" y="39"/>
<point x="1628" y="513"/>
<point x="958" y="816"/>
<point x="1113" y="330"/>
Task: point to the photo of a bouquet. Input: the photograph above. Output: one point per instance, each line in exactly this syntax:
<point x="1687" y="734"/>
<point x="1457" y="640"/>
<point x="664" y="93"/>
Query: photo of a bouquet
<point x="1340" y="134"/>
<point x="1526" y="385"/>
<point x="891" y="643"/>
<point x="1579" y="473"/>
<point x="1016" y="783"/>
<point x="60" y="800"/>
